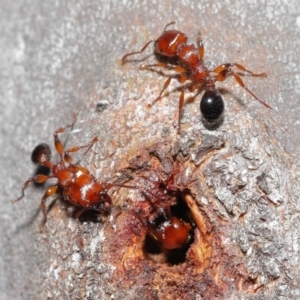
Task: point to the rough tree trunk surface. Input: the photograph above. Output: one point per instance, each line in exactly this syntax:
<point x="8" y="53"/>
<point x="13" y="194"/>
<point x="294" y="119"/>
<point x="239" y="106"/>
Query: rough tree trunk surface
<point x="235" y="185"/>
<point x="237" y="189"/>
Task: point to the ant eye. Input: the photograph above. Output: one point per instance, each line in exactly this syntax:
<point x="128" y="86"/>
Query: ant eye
<point x="40" y="153"/>
<point x="211" y="105"/>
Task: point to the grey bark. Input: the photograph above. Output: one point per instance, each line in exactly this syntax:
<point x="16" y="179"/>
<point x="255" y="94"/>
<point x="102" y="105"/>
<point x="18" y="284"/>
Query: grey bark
<point x="59" y="58"/>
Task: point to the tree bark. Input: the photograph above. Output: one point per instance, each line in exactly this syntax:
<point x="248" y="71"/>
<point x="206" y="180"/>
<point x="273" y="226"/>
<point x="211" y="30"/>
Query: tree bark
<point x="237" y="183"/>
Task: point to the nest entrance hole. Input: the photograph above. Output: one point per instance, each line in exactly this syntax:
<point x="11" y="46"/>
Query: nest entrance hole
<point x="154" y="250"/>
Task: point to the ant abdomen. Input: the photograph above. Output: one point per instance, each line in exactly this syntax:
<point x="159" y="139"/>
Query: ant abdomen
<point x="211" y="105"/>
<point x="40" y="153"/>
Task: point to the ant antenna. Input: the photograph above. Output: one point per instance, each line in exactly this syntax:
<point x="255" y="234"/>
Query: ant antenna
<point x="136" y="52"/>
<point x="171" y="23"/>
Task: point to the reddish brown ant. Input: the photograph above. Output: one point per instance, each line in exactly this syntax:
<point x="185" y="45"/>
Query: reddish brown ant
<point x="168" y="231"/>
<point x="171" y="233"/>
<point x="78" y="185"/>
<point x="168" y="228"/>
<point x="187" y="61"/>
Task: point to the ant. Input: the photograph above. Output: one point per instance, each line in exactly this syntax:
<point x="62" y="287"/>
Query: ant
<point x="78" y="185"/>
<point x="168" y="228"/>
<point x="169" y="231"/>
<point x="187" y="62"/>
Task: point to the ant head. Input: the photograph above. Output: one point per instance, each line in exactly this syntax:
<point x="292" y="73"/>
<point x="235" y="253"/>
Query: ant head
<point x="211" y="105"/>
<point x="168" y="42"/>
<point x="104" y="205"/>
<point x="41" y="153"/>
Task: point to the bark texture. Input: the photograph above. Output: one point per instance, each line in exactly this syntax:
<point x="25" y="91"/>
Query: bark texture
<point x="239" y="185"/>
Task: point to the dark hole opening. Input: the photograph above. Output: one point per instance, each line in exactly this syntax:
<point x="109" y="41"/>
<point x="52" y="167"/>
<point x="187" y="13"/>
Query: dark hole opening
<point x="154" y="249"/>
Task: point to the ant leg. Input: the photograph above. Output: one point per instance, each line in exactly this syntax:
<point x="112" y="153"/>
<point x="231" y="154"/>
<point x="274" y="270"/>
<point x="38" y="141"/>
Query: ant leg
<point x="107" y="186"/>
<point x="50" y="191"/>
<point x="240" y="67"/>
<point x="176" y="68"/>
<point x="180" y="77"/>
<point x="80" y="212"/>
<point x="123" y="60"/>
<point x="200" y="47"/>
<point x="57" y="142"/>
<point x="241" y="83"/>
<point x="167" y="83"/>
<point x="225" y="70"/>
<point x="67" y="156"/>
<point x="39" y="178"/>
<point x="71" y="128"/>
<point x="181" y="102"/>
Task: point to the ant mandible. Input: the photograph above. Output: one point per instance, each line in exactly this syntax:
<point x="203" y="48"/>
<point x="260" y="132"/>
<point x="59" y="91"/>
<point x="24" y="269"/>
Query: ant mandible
<point x="187" y="61"/>
<point x="78" y="185"/>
